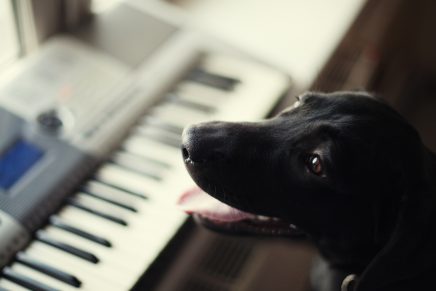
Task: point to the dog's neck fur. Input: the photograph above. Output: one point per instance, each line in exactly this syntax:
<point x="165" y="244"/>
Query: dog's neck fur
<point x="345" y="263"/>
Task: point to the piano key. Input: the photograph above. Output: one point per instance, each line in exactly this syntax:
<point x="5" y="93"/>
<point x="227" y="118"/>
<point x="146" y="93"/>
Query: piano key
<point x="127" y="180"/>
<point x="193" y="104"/>
<point x="10" y="286"/>
<point x="142" y="220"/>
<point x="134" y="163"/>
<point x="57" y="222"/>
<point x="120" y="237"/>
<point x="147" y="148"/>
<point x="143" y="242"/>
<point x="178" y="114"/>
<point x="151" y="220"/>
<point x="114" y="202"/>
<point x="203" y="95"/>
<point x="159" y="136"/>
<point x="122" y="261"/>
<point x="109" y="217"/>
<point x="48" y="270"/>
<point x="153" y="121"/>
<point x="85" y="255"/>
<point x="211" y="79"/>
<point x="103" y="206"/>
<point x="25" y="281"/>
<point x="45" y="273"/>
<point x="111" y="185"/>
<point x="147" y="129"/>
<point x="100" y="276"/>
<point x="113" y="193"/>
<point x="206" y="96"/>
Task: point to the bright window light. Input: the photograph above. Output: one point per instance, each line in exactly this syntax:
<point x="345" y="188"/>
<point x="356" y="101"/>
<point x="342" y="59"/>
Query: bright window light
<point x="8" y="43"/>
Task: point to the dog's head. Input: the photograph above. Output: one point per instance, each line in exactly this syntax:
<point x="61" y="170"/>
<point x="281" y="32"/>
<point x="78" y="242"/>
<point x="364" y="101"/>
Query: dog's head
<point x="338" y="166"/>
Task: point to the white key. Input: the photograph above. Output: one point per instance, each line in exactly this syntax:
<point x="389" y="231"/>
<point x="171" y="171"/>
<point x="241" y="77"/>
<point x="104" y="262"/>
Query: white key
<point x="178" y="114"/>
<point x="138" y="164"/>
<point x="11" y="286"/>
<point x="142" y="240"/>
<point x="141" y="243"/>
<point x="118" y="261"/>
<point x="153" y="131"/>
<point x="150" y="149"/>
<point x="141" y="222"/>
<point x="128" y="180"/>
<point x="93" y="276"/>
<point x="41" y="277"/>
<point x="201" y="94"/>
<point x="115" y="194"/>
<point x="150" y="225"/>
<point x="93" y="224"/>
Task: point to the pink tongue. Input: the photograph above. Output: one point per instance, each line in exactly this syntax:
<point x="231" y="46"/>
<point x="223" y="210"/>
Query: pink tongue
<point x="197" y="201"/>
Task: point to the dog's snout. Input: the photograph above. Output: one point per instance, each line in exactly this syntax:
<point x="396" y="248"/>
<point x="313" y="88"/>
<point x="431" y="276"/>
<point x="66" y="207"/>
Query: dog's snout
<point x="204" y="142"/>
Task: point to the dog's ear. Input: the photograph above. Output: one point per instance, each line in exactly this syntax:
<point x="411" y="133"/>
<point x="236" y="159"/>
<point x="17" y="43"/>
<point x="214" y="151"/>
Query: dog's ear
<point x="408" y="257"/>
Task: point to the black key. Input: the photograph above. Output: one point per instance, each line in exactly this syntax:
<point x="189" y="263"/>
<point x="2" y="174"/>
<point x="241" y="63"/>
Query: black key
<point x="190" y="104"/>
<point x="109" y="184"/>
<point x="48" y="270"/>
<point x="212" y="80"/>
<point x="24" y="281"/>
<point x="57" y="222"/>
<point x="98" y="187"/>
<point x="113" y="202"/>
<point x="109" y="217"/>
<point x="153" y="121"/>
<point x="87" y="256"/>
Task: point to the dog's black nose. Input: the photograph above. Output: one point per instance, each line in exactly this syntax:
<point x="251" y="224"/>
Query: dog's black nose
<point x="185" y="153"/>
<point x="204" y="142"/>
<point x="189" y="144"/>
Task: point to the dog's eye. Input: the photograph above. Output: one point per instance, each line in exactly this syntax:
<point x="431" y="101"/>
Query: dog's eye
<point x="314" y="164"/>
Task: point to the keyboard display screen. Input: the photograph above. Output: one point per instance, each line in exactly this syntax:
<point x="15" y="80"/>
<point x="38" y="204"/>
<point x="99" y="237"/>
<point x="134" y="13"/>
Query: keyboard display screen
<point x="16" y="161"/>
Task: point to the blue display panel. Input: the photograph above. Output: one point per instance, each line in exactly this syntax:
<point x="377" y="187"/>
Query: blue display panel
<point x="16" y="161"/>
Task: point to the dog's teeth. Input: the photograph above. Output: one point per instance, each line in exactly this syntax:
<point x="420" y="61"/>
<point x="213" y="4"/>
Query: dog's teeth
<point x="263" y="218"/>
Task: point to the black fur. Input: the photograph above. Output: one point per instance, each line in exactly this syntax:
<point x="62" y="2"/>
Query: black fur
<point x="371" y="213"/>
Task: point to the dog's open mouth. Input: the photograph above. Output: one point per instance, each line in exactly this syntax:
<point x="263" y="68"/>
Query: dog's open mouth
<point x="219" y="216"/>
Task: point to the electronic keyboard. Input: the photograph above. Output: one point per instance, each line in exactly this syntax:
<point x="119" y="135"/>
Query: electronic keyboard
<point x="90" y="162"/>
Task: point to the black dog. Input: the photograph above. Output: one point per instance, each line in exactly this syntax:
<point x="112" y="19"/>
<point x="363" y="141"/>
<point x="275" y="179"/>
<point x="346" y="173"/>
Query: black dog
<point x="344" y="168"/>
